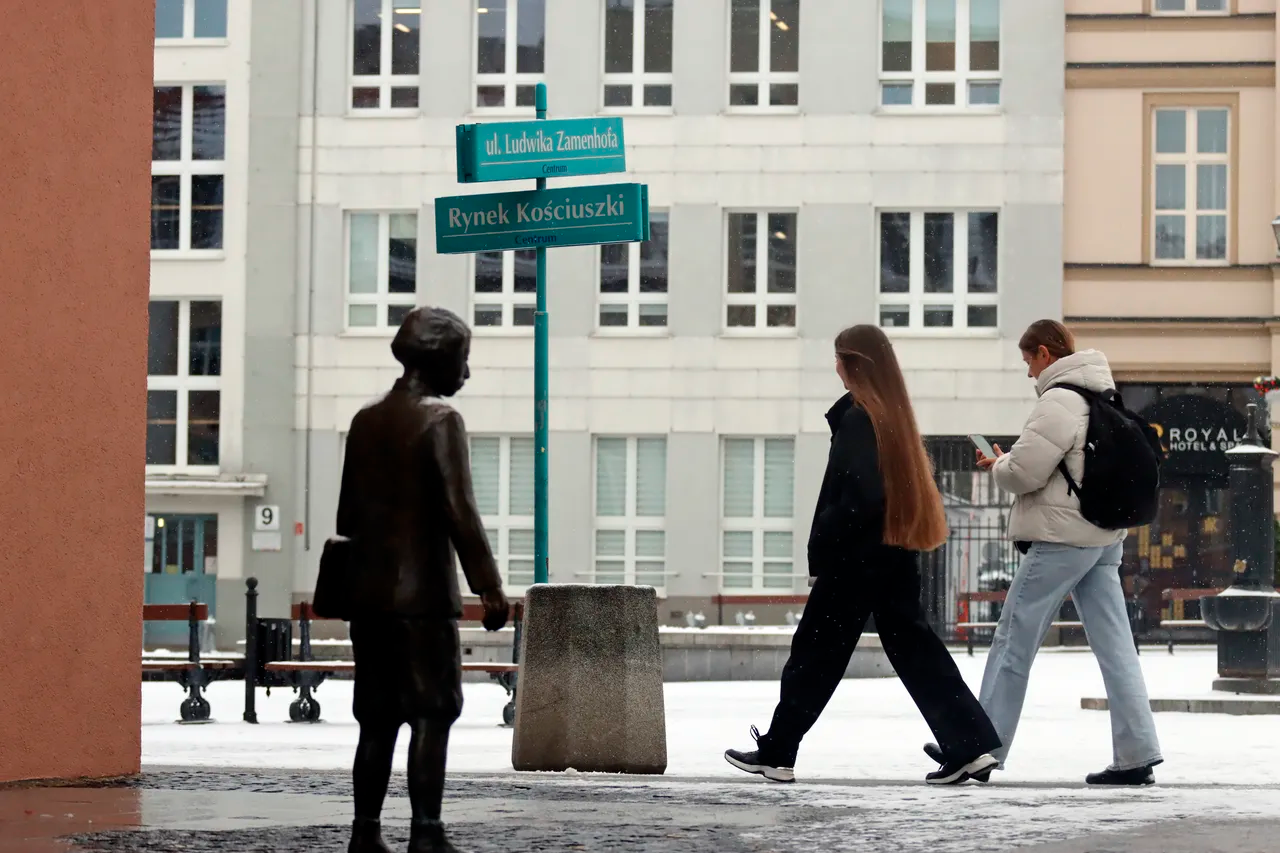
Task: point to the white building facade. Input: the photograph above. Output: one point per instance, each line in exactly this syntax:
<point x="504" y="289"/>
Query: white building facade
<point x="811" y="164"/>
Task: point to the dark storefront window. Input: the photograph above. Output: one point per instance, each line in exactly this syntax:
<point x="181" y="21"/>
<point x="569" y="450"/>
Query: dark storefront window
<point x="1189" y="545"/>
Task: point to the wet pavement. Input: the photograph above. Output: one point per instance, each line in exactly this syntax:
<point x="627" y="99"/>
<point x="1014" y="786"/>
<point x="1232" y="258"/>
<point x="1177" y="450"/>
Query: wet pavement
<point x="280" y="812"/>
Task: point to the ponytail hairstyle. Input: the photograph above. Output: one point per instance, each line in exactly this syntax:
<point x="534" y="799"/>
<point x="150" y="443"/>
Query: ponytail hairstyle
<point x="1050" y="334"/>
<point x="913" y="517"/>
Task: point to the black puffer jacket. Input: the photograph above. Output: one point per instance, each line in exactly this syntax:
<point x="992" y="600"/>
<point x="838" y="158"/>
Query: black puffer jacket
<point x="848" y="523"/>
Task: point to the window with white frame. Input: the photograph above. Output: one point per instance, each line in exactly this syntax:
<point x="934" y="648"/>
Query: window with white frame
<point x="764" y="54"/>
<point x="633" y="280"/>
<point x="761" y="241"/>
<point x="184" y="382"/>
<point x="191" y="19"/>
<point x="1191" y="197"/>
<point x="505" y="290"/>
<point x="511" y="40"/>
<point x="939" y="270"/>
<point x="631" y="509"/>
<point x="384" y="54"/>
<point x="188" y="167"/>
<point x="382" y="269"/>
<point x="502" y="479"/>
<point x="1190" y="7"/>
<point x="757" y="500"/>
<point x="940" y="53"/>
<point x="638" y="39"/>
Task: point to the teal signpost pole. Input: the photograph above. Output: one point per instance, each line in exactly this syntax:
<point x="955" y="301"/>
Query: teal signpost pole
<point x="541" y="383"/>
<point x="541" y="218"/>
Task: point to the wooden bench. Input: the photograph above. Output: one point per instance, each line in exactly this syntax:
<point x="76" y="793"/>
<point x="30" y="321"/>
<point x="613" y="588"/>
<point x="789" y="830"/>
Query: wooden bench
<point x="1177" y="597"/>
<point x="195" y="673"/>
<point x="776" y="600"/>
<point x="996" y="596"/>
<point x="306" y="674"/>
<point x="308" y="709"/>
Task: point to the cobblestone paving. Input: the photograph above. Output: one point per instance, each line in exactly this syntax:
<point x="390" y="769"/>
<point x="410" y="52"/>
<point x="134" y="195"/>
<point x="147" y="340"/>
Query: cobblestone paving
<point x="566" y="813"/>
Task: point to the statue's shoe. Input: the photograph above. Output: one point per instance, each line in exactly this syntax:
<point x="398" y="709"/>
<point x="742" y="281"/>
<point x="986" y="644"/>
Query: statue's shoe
<point x="429" y="837"/>
<point x="366" y="837"/>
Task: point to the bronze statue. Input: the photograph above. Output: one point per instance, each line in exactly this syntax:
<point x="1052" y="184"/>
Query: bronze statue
<point x="406" y="504"/>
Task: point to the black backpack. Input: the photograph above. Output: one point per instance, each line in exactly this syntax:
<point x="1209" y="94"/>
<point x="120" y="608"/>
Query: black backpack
<point x="1122" y="456"/>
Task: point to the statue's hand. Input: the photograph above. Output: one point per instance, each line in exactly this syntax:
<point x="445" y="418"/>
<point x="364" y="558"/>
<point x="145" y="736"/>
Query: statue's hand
<point x="495" y="609"/>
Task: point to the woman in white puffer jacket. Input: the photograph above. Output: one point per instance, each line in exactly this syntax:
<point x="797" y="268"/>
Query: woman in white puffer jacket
<point x="1065" y="554"/>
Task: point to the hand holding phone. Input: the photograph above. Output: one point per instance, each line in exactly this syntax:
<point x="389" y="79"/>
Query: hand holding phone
<point x="984" y="446"/>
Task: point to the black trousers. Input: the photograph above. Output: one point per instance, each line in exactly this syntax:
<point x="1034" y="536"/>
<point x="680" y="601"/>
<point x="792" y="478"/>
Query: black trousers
<point x="833" y="621"/>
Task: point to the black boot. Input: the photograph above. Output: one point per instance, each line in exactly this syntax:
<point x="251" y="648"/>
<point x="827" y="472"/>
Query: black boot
<point x="1136" y="777"/>
<point x="428" y="836"/>
<point x="366" y="837"/>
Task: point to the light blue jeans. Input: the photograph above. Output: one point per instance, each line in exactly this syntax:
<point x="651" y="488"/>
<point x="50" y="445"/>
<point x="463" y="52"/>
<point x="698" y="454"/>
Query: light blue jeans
<point x="1092" y="577"/>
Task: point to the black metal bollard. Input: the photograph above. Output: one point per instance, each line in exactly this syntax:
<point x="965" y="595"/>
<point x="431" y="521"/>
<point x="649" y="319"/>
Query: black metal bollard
<point x="1246" y="614"/>
<point x="251" y="650"/>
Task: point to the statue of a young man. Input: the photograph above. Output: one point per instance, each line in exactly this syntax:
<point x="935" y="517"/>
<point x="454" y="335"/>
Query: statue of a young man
<point x="407" y="505"/>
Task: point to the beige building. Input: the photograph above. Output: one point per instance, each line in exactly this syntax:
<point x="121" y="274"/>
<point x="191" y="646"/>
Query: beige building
<point x="1171" y="187"/>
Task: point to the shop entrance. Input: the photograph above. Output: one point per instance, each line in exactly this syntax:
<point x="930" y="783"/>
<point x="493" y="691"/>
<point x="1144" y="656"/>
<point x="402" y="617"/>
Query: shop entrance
<point x="181" y="560"/>
<point x="1189" y="545"/>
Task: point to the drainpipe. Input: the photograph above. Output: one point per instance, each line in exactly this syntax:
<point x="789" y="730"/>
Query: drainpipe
<point x="311" y="276"/>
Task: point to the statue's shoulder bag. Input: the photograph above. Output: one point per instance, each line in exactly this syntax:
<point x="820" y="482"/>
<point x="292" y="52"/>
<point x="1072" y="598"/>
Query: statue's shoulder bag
<point x="334" y="583"/>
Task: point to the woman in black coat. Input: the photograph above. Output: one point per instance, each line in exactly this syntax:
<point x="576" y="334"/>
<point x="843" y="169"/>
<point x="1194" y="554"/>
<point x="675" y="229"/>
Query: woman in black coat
<point x="878" y="509"/>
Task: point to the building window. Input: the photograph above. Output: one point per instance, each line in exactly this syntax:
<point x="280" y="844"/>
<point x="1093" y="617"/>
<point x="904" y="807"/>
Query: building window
<point x="384" y="54"/>
<point x="637" y="53"/>
<point x="188" y="166"/>
<point x="1191" y="194"/>
<point x="506" y="286"/>
<point x="633" y="280"/>
<point x="756" y="548"/>
<point x="631" y="507"/>
<point x="382" y="269"/>
<point x="184" y="382"/>
<point x="502" y="478"/>
<point x="510" y="51"/>
<point x="940" y="53"/>
<point x="764" y="54"/>
<point x="921" y="284"/>
<point x="761" y="241"/>
<point x="1190" y="7"/>
<point x="191" y="19"/>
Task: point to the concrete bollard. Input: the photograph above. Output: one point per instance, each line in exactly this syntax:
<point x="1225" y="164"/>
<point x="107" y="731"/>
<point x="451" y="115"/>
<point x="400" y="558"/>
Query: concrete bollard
<point x="590" y="696"/>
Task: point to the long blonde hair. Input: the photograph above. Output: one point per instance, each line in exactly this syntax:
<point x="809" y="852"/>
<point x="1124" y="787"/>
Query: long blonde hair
<point x="913" y="518"/>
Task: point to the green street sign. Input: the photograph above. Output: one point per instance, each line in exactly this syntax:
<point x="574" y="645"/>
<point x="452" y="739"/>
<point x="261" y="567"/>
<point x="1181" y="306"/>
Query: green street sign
<point x="572" y="216"/>
<point x="519" y="150"/>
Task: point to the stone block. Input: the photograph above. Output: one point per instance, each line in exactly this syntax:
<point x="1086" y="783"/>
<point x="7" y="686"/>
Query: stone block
<point x="590" y="694"/>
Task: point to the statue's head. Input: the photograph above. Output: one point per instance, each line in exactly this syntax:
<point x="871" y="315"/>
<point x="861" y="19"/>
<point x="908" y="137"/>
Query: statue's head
<point x="433" y="344"/>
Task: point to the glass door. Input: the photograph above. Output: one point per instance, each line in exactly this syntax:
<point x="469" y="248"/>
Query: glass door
<point x="181" y="565"/>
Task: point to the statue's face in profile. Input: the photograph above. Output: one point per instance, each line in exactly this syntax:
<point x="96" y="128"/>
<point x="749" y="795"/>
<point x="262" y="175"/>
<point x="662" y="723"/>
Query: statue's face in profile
<point x="452" y="369"/>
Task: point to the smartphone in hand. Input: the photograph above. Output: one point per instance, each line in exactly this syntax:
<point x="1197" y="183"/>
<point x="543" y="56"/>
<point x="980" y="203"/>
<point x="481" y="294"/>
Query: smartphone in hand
<point x="984" y="446"/>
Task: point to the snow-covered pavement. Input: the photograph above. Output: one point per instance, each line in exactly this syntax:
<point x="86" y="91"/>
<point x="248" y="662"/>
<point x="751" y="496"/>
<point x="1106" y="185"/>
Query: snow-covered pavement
<point x="870" y="732"/>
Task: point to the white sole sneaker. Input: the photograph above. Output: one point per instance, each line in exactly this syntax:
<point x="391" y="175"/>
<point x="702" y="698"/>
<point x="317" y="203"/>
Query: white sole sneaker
<point x="773" y="774"/>
<point x="983" y="764"/>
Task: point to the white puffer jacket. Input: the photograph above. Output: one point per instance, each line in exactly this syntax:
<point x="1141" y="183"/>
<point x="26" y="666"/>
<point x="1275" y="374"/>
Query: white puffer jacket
<point x="1045" y="509"/>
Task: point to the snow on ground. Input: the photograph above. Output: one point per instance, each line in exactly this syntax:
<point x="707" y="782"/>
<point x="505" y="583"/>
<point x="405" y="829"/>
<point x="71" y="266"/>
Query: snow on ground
<point x="870" y="731"/>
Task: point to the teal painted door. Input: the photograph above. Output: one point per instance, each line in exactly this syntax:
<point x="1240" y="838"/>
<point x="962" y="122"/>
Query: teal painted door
<point x="181" y="559"/>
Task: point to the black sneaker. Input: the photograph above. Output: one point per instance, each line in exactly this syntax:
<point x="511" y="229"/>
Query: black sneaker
<point x="1137" y="777"/>
<point x="935" y="752"/>
<point x="956" y="772"/>
<point x="763" y="761"/>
